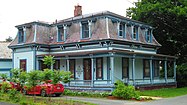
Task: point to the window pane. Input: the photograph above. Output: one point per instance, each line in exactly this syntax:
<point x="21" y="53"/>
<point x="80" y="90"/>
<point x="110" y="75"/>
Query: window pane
<point x="134" y="32"/>
<point x="60" y="34"/>
<point x="72" y="67"/>
<point x="23" y="64"/>
<point x="56" y="66"/>
<point x="85" y="30"/>
<point x="156" y="68"/>
<point x="99" y="68"/>
<point x="125" y="67"/>
<point x="146" y="68"/>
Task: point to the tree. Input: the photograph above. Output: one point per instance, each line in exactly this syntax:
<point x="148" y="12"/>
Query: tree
<point x="169" y="18"/>
<point x="9" y="39"/>
<point x="49" y="61"/>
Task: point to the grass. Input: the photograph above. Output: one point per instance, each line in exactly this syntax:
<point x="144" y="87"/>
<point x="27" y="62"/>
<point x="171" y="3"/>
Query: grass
<point x="166" y="92"/>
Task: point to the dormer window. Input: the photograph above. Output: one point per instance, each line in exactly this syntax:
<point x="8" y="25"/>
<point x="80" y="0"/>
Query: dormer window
<point x="85" y="30"/>
<point x="60" y="34"/>
<point x="21" y="35"/>
<point x="135" y="33"/>
<point x="149" y="36"/>
<point x="121" y="30"/>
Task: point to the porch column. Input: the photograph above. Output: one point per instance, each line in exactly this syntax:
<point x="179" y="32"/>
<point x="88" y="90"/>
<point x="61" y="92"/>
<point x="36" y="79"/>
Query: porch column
<point x="67" y="68"/>
<point x="133" y="70"/>
<point x="151" y="70"/>
<point x="165" y="70"/>
<point x="92" y="81"/>
<point x="174" y="69"/>
<point x="112" y="69"/>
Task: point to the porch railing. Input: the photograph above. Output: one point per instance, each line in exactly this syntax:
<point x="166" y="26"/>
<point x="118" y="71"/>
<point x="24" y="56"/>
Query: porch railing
<point x="154" y="81"/>
<point x="88" y="83"/>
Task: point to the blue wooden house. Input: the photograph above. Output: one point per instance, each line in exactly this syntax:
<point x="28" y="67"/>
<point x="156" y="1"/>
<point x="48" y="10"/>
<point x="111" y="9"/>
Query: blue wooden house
<point x="98" y="48"/>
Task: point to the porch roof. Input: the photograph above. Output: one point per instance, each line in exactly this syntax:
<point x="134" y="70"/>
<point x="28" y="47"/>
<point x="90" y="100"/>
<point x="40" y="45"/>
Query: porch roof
<point x="110" y="52"/>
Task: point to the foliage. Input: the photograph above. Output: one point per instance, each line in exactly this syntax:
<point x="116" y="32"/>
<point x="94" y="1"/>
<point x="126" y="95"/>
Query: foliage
<point x="168" y="18"/>
<point x="165" y="92"/>
<point x="86" y="94"/>
<point x="15" y="75"/>
<point x="46" y="75"/>
<point x="125" y="92"/>
<point x="182" y="75"/>
<point x="49" y="60"/>
<point x="5" y="86"/>
<point x="14" y="95"/>
<point x="9" y="39"/>
<point x="23" y="78"/>
<point x="34" y="77"/>
<point x="66" y="76"/>
<point x="3" y="76"/>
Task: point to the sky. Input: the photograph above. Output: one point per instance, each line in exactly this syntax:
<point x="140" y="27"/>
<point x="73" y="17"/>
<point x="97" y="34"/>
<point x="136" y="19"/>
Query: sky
<point x="16" y="12"/>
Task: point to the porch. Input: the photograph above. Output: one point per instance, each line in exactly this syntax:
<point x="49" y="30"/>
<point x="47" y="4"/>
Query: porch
<point x="100" y="69"/>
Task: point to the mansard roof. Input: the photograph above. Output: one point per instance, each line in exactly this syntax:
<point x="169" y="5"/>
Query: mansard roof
<point x="46" y="33"/>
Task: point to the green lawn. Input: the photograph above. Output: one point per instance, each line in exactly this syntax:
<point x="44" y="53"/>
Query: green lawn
<point x="167" y="92"/>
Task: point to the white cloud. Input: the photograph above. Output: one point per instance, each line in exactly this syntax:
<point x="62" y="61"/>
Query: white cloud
<point x="15" y="12"/>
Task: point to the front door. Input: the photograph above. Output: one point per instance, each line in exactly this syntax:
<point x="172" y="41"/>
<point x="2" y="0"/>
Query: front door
<point x="87" y="69"/>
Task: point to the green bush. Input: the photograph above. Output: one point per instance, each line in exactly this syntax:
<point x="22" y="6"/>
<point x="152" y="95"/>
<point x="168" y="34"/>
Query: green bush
<point x="14" y="95"/>
<point x="5" y="86"/>
<point x="125" y="92"/>
<point x="182" y="75"/>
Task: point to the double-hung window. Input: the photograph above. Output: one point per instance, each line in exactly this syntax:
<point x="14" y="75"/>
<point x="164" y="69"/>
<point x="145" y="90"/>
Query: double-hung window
<point x="99" y="68"/>
<point x="85" y="30"/>
<point x="21" y="35"/>
<point x="72" y="67"/>
<point x="146" y="68"/>
<point x="148" y="37"/>
<point x="135" y="33"/>
<point x="23" y="64"/>
<point x="121" y="30"/>
<point x="60" y="34"/>
<point x="125" y="67"/>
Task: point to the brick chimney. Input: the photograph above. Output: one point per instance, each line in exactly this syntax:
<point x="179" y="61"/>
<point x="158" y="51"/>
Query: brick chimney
<point x="78" y="10"/>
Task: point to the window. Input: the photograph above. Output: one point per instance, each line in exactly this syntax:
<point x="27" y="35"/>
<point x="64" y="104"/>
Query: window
<point x="42" y="66"/>
<point x="85" y="30"/>
<point x="21" y="35"/>
<point x="148" y="37"/>
<point x="135" y="33"/>
<point x="99" y="68"/>
<point x="146" y="68"/>
<point x="121" y="30"/>
<point x="156" y="68"/>
<point x="60" y="34"/>
<point x="72" y="67"/>
<point x="56" y="65"/>
<point x="23" y="64"/>
<point x="125" y="67"/>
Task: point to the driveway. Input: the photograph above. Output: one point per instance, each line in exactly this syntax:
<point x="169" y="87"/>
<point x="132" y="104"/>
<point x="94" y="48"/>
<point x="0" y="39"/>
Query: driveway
<point x="181" y="100"/>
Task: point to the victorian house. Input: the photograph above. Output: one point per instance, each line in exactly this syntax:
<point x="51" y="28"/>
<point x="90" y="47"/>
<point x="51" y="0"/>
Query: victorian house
<point x="98" y="48"/>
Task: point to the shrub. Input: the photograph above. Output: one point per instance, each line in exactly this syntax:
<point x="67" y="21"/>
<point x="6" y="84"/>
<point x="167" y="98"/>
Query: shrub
<point x="14" y="95"/>
<point x="125" y="92"/>
<point x="5" y="86"/>
<point x="182" y="75"/>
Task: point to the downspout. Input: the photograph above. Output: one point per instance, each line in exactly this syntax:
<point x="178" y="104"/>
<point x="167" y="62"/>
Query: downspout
<point x="107" y="28"/>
